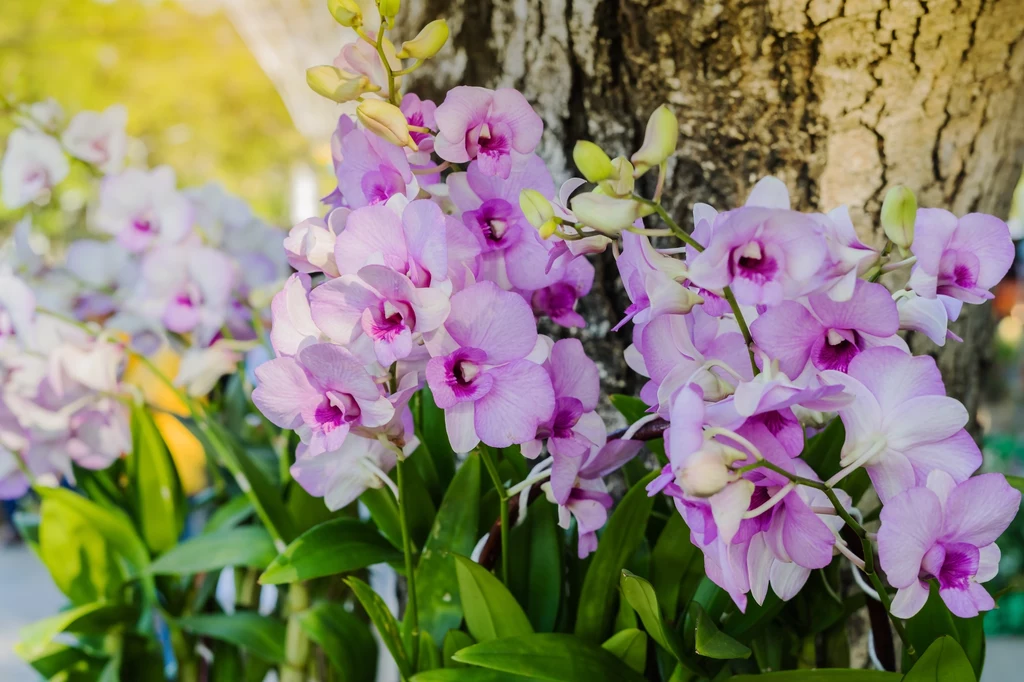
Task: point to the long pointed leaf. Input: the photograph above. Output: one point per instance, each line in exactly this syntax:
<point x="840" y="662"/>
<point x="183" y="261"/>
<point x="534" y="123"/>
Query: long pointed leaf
<point x="334" y="547"/>
<point x="491" y="610"/>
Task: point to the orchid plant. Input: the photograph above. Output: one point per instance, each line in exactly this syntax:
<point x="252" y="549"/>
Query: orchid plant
<point x="788" y="465"/>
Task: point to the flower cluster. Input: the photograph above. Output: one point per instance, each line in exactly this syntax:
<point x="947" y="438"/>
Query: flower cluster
<point x="178" y="276"/>
<point x="425" y="271"/>
<point x="823" y="338"/>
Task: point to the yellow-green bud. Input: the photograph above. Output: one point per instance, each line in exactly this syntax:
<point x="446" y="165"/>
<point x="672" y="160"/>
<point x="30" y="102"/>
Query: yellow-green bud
<point x="592" y="161"/>
<point x="899" y="211"/>
<point x="346" y="12"/>
<point x="660" y="140"/>
<point x="548" y="228"/>
<point x="620" y="183"/>
<point x="335" y="84"/>
<point x="387" y="121"/>
<point x="535" y="207"/>
<point x="427" y="42"/>
<point x="608" y="215"/>
<point x="389" y="9"/>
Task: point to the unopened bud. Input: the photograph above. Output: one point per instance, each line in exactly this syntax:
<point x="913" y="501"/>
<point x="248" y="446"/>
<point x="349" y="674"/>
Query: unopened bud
<point x="387" y="121"/>
<point x="335" y="84"/>
<point x="608" y="215"/>
<point x="535" y="207"/>
<point x="899" y="211"/>
<point x="389" y="9"/>
<point x="592" y="161"/>
<point x="548" y="228"/>
<point x="706" y="471"/>
<point x="620" y="183"/>
<point x="346" y="12"/>
<point x="427" y="42"/>
<point x="660" y="140"/>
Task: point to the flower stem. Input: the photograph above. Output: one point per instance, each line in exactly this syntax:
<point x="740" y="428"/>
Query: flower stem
<point x="296" y="641"/>
<point x="392" y="90"/>
<point x="499" y="487"/>
<point x="744" y="329"/>
<point x="412" y="605"/>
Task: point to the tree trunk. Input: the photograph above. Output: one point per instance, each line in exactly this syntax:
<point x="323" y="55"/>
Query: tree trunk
<point x="839" y="98"/>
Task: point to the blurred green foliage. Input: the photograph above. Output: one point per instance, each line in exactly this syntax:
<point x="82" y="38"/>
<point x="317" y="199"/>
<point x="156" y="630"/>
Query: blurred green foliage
<point x="195" y="95"/>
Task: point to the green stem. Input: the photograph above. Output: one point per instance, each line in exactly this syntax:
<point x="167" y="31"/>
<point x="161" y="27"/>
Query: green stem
<point x="412" y="605"/>
<point x="392" y="90"/>
<point x="296" y="642"/>
<point x="744" y="329"/>
<point x="499" y="487"/>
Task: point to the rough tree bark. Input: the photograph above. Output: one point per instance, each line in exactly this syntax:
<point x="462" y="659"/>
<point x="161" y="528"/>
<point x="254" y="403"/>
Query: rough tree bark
<point x="839" y="98"/>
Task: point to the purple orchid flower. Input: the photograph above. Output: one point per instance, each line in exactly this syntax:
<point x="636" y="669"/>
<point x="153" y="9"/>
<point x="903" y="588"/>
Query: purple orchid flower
<point x="380" y="303"/>
<point x="372" y="170"/>
<point x="323" y="393"/>
<point x="828" y="334"/>
<point x="413" y="243"/>
<point x="512" y="253"/>
<point x="763" y="250"/>
<point x="481" y="378"/>
<point x="142" y="208"/>
<point x="344" y="473"/>
<point x="900" y="425"/>
<point x="293" y="326"/>
<point x="960" y="258"/>
<point x="558" y="301"/>
<point x="652" y="281"/>
<point x="945" y="531"/>
<point x="487" y="125"/>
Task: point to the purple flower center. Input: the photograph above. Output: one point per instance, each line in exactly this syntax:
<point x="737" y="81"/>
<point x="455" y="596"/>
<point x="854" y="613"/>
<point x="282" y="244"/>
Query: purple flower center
<point x="496" y="224"/>
<point x="752" y="263"/>
<point x="493" y="139"/>
<point x="388" y="320"/>
<point x="556" y="300"/>
<point x="380" y="185"/>
<point x="335" y="409"/>
<point x="958" y="269"/>
<point x="835" y="349"/>
<point x="567" y="413"/>
<point x="416" y="119"/>
<point x="775" y="421"/>
<point x="142" y="225"/>
<point x="465" y="376"/>
<point x="953" y="565"/>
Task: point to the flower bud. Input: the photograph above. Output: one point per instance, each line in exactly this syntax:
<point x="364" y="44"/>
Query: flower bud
<point x="592" y="161"/>
<point x="608" y="215"/>
<point x="335" y="84"/>
<point x="705" y="472"/>
<point x="548" y="228"/>
<point x="535" y="207"/>
<point x="620" y="183"/>
<point x="346" y="12"/>
<point x="660" y="140"/>
<point x="899" y="211"/>
<point x="389" y="9"/>
<point x="387" y="121"/>
<point x="427" y="42"/>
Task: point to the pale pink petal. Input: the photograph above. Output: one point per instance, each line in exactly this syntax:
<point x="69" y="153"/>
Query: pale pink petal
<point x="283" y="391"/>
<point x="500" y="323"/>
<point x="988" y="238"/>
<point x="729" y="506"/>
<point x="372" y="234"/>
<point x="911" y="523"/>
<point x="769" y="192"/>
<point x="895" y="377"/>
<point x="988" y="563"/>
<point x="337" y="306"/>
<point x="459" y="422"/>
<point x="925" y="419"/>
<point x="910" y="599"/>
<point x="870" y="310"/>
<point x="957" y="456"/>
<point x="573" y="374"/>
<point x="520" y="399"/>
<point x="980" y="509"/>
<point x="788" y="579"/>
<point x="786" y="333"/>
<point x="759" y="566"/>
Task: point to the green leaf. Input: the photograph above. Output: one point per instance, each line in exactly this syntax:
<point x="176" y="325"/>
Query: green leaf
<point x="468" y="675"/>
<point x="491" y="610"/>
<point x="259" y="635"/>
<point x="56" y="657"/>
<point x="158" y="499"/>
<point x="383" y="508"/>
<point x="434" y="435"/>
<point x="346" y="640"/>
<point x="454" y="532"/>
<point x="710" y="641"/>
<point x="1016" y="482"/>
<point x="944" y="661"/>
<point x="334" y="547"/>
<point x="971" y="633"/>
<point x="676" y="566"/>
<point x="822" y="451"/>
<point x="234" y="512"/>
<point x="630" y="647"/>
<point x="455" y="640"/>
<point x="381" y="616"/>
<point x="79" y="541"/>
<point x="307" y="511"/>
<point x="535" y="551"/>
<point x="430" y="657"/>
<point x="821" y="675"/>
<point x="249" y="546"/>
<point x="250" y="477"/>
<point x="549" y="656"/>
<point x="640" y="595"/>
<point x="622" y="536"/>
<point x="36" y="638"/>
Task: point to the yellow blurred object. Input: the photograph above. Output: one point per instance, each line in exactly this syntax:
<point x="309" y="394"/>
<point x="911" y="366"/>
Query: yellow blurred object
<point x="186" y="450"/>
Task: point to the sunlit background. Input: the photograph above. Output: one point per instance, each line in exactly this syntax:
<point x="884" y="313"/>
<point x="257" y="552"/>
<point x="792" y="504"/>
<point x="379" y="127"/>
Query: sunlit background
<point x="216" y="89"/>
